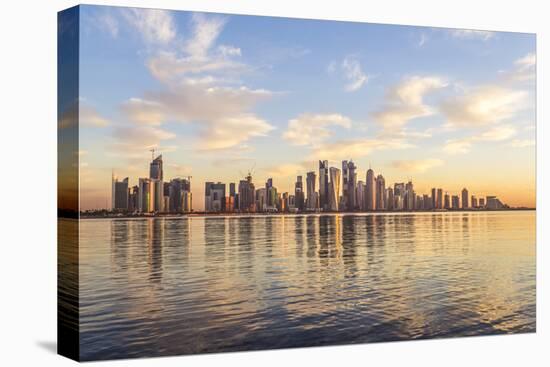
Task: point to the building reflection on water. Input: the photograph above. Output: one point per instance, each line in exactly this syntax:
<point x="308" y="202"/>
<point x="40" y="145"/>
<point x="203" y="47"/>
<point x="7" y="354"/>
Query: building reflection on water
<point x="185" y="285"/>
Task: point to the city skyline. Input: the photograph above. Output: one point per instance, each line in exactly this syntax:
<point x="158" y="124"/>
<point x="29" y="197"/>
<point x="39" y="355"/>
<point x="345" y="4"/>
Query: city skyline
<point x="339" y="190"/>
<point x="217" y="101"/>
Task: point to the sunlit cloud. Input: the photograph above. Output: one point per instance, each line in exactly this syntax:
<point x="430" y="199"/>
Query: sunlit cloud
<point x="353" y="73"/>
<point x="204" y="34"/>
<point x="404" y="102"/>
<point x="522" y="143"/>
<point x="483" y="106"/>
<point x="154" y="25"/>
<point x="457" y="146"/>
<point x="197" y="91"/>
<point x="355" y="148"/>
<point x="464" y="145"/>
<point x="106" y="22"/>
<point x="133" y="142"/>
<point x="178" y="170"/>
<point x="406" y="133"/>
<point x="144" y="111"/>
<point x="285" y="170"/>
<point x="524" y="69"/>
<point x="350" y="70"/>
<point x="418" y="165"/>
<point x="245" y="162"/>
<point x="311" y="129"/>
<point x="89" y="116"/>
<point x="228" y="132"/>
<point x="472" y="34"/>
<point x="423" y="39"/>
<point x="228" y="51"/>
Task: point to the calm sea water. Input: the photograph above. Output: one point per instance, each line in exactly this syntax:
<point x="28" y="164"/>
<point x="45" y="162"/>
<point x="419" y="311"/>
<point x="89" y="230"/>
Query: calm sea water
<point x="189" y="285"/>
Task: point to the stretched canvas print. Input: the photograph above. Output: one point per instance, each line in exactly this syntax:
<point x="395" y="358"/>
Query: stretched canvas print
<point x="235" y="183"/>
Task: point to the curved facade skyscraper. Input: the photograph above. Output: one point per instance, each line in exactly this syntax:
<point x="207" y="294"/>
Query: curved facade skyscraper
<point x="334" y="189"/>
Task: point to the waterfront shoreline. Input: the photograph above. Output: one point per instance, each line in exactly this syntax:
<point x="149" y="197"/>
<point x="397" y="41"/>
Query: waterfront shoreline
<point x="241" y="215"/>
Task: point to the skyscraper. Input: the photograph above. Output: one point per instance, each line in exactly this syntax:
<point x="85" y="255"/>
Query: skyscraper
<point x="323" y="185"/>
<point x="370" y="188"/>
<point x="434" y="198"/>
<point x="465" y="204"/>
<point x="158" y="195"/>
<point x="232" y="197"/>
<point x="214" y="197"/>
<point x="273" y="201"/>
<point x="351" y="201"/>
<point x="246" y="195"/>
<point x="419" y="202"/>
<point x="291" y="202"/>
<point x="474" y="202"/>
<point x="299" y="193"/>
<point x="146" y="197"/>
<point x="455" y="202"/>
<point x="119" y="194"/>
<point x="409" y="196"/>
<point x="345" y="179"/>
<point x="426" y="202"/>
<point x="261" y="199"/>
<point x="380" y="193"/>
<point x="334" y="190"/>
<point x="187" y="202"/>
<point x="174" y="193"/>
<point x="391" y="199"/>
<point x="447" y="202"/>
<point x="399" y="196"/>
<point x="133" y="198"/>
<point x="360" y="195"/>
<point x="284" y="202"/>
<point x="439" y="201"/>
<point x="312" y="196"/>
<point x="155" y="169"/>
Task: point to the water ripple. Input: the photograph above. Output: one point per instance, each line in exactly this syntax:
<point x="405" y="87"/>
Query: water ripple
<point x="166" y="286"/>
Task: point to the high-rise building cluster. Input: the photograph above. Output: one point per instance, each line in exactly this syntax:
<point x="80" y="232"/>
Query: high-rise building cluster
<point x="337" y="190"/>
<point x="153" y="194"/>
<point x="330" y="189"/>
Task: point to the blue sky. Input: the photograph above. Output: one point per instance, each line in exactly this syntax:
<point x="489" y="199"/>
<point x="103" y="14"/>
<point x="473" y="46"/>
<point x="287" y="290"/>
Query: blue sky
<point x="220" y="94"/>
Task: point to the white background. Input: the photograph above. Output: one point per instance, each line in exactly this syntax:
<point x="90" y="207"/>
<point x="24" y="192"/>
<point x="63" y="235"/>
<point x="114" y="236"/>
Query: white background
<point x="28" y="181"/>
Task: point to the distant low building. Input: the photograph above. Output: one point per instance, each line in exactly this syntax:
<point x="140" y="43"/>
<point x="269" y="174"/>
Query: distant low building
<point x="455" y="202"/>
<point x="494" y="203"/>
<point x="474" y="202"/>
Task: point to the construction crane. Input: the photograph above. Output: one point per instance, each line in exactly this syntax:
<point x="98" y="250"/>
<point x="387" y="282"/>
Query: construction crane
<point x="249" y="173"/>
<point x="152" y="150"/>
